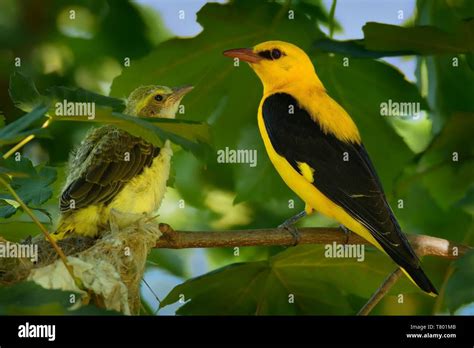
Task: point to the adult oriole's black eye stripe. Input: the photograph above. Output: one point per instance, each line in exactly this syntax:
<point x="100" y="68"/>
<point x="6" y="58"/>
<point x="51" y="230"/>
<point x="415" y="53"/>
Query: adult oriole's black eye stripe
<point x="265" y="54"/>
<point x="271" y="55"/>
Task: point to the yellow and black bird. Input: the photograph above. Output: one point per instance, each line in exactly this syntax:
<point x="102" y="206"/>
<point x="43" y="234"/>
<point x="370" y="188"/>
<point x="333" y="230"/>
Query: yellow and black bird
<point x="113" y="170"/>
<point x="316" y="148"/>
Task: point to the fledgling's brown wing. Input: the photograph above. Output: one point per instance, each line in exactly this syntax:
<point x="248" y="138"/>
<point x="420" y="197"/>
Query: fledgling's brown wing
<point x="106" y="160"/>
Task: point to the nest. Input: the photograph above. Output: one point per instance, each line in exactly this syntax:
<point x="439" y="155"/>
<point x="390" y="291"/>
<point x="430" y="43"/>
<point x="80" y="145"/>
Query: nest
<point x="109" y="268"/>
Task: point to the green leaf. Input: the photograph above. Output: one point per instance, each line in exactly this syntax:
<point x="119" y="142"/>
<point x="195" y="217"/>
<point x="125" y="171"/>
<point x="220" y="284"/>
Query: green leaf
<point x="419" y="39"/>
<point x="18" y="228"/>
<point x="60" y="93"/>
<point x="447" y="166"/>
<point x="260" y="184"/>
<point x="28" y="298"/>
<point x="33" y="188"/>
<point x="190" y="135"/>
<point x="459" y="291"/>
<point x="12" y="132"/>
<point x="448" y="85"/>
<point x="467" y="203"/>
<point x="354" y="48"/>
<point x="320" y="285"/>
<point x="25" y="96"/>
<point x="315" y="10"/>
<point x="421" y="214"/>
<point x="192" y="131"/>
<point x="23" y="92"/>
<point x="386" y="40"/>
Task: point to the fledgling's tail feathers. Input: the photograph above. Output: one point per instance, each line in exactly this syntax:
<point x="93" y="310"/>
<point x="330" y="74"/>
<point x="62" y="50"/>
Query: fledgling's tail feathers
<point x="63" y="230"/>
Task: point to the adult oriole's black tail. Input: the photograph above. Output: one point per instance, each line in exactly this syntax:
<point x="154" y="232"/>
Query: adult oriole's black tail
<point x="411" y="266"/>
<point x="420" y="278"/>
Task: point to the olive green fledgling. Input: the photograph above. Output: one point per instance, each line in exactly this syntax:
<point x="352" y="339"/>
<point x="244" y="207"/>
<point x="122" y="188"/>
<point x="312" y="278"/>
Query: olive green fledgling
<point x="112" y="170"/>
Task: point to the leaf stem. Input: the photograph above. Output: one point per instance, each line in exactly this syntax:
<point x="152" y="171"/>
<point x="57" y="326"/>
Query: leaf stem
<point x="331" y="18"/>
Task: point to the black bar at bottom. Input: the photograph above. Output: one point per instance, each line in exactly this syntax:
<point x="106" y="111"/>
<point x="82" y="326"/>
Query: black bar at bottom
<point x="422" y="330"/>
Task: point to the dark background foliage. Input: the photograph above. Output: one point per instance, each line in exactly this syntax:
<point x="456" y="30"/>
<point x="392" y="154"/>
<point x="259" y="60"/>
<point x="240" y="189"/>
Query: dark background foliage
<point x="85" y="58"/>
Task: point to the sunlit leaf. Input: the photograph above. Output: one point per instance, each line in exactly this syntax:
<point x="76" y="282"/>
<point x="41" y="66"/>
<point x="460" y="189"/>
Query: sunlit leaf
<point x="23" y="92"/>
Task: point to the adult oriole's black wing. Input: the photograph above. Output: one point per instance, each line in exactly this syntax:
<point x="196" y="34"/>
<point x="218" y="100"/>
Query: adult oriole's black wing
<point x="343" y="172"/>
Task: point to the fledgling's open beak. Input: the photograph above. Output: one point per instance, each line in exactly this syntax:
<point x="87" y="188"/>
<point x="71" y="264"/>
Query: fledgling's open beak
<point x="180" y="92"/>
<point x="245" y="54"/>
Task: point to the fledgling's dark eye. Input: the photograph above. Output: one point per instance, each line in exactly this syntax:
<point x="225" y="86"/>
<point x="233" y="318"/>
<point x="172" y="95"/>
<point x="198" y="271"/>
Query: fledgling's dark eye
<point x="158" y="97"/>
<point x="276" y="53"/>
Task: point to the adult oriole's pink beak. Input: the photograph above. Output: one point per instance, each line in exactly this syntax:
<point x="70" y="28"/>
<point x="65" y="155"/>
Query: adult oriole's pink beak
<point x="245" y="54"/>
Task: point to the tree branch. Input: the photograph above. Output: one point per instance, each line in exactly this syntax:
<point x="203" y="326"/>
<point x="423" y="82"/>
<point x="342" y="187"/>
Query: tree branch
<point x="424" y="245"/>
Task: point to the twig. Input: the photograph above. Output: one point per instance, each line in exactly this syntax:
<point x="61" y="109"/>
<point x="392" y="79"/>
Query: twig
<point x="43" y="230"/>
<point x="381" y="292"/>
<point x="25" y="141"/>
<point x="424" y="245"/>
